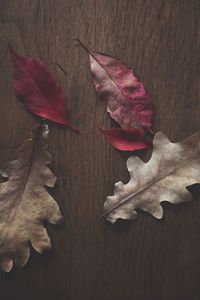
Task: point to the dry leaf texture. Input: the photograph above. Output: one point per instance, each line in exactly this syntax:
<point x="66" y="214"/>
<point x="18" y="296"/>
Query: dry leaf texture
<point x="128" y="102"/>
<point x="25" y="203"/>
<point x="172" y="167"/>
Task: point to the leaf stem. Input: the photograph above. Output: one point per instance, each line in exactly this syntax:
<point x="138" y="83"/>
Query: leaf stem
<point x="83" y="46"/>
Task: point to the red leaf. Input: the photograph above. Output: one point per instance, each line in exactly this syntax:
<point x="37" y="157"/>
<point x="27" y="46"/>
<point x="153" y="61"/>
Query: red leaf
<point x="37" y="89"/>
<point x="128" y="102"/>
<point x="126" y="139"/>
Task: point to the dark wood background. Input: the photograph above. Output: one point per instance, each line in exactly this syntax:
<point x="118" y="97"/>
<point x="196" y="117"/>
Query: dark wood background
<point x="91" y="259"/>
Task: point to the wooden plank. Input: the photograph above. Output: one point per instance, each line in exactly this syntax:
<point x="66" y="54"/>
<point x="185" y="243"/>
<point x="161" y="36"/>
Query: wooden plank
<point x="92" y="259"/>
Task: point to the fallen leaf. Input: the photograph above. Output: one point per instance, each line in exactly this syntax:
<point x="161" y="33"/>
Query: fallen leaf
<point x="36" y="88"/>
<point x="25" y="203"/>
<point x="128" y="102"/>
<point x="126" y="139"/>
<point x="172" y="168"/>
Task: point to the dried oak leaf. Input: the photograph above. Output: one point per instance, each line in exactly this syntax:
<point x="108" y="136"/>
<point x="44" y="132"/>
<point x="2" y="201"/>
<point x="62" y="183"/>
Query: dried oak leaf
<point x="25" y="203"/>
<point x="36" y="88"/>
<point x="172" y="168"/>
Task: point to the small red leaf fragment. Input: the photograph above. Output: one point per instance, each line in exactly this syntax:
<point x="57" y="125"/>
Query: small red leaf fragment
<point x="126" y="139"/>
<point x="36" y="88"/>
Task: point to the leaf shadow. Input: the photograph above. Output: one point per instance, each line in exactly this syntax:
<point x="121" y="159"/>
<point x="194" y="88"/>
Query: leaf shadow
<point x="3" y="179"/>
<point x="120" y="226"/>
<point x="175" y="208"/>
<point x="125" y="225"/>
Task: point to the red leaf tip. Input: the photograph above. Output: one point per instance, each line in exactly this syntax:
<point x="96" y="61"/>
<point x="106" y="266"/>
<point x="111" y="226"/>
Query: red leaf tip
<point x="126" y="139"/>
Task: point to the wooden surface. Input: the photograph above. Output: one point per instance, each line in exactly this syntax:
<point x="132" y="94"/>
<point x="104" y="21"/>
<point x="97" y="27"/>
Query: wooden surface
<point x="91" y="259"/>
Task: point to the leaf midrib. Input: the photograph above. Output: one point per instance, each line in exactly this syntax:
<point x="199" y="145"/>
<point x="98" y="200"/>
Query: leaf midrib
<point x="25" y="183"/>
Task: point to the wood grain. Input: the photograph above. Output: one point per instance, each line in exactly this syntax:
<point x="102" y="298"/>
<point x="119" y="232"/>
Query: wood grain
<point x="91" y="259"/>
